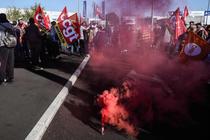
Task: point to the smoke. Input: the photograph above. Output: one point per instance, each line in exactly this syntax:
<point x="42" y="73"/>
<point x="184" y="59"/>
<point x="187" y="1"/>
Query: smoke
<point x="137" y="7"/>
<point x="156" y="91"/>
<point x="143" y="86"/>
<point x="113" y="112"/>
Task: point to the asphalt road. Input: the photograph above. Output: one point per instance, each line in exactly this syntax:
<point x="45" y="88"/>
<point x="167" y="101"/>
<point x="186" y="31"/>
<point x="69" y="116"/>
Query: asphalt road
<point x="23" y="102"/>
<point x="79" y="119"/>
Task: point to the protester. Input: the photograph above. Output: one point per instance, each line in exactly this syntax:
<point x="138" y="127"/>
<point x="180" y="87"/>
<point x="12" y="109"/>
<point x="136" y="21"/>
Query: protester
<point x="100" y="39"/>
<point x="54" y="41"/>
<point x="83" y="39"/>
<point x="201" y="31"/>
<point x="33" y="38"/>
<point x="22" y="49"/>
<point x="6" y="54"/>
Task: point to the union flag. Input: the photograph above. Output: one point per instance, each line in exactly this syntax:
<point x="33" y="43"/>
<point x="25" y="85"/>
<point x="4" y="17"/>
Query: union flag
<point x="39" y="17"/>
<point x="63" y="15"/>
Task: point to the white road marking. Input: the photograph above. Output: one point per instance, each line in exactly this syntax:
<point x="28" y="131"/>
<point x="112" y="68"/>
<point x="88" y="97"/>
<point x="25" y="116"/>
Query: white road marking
<point x="41" y="126"/>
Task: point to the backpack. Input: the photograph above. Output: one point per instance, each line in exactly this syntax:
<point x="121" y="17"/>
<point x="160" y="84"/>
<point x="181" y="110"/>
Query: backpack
<point x="10" y="39"/>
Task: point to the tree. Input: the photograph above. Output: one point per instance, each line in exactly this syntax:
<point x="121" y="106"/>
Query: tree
<point x="28" y="13"/>
<point x="13" y="13"/>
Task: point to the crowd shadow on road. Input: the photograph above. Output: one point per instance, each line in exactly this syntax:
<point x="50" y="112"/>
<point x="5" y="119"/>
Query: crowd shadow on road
<point x="64" y="65"/>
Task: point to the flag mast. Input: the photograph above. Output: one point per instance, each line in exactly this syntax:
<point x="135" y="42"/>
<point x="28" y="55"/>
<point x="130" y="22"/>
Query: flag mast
<point x="207" y="12"/>
<point x="152" y="21"/>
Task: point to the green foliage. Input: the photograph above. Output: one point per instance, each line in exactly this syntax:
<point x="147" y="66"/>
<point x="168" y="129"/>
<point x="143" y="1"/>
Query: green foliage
<point x="14" y="13"/>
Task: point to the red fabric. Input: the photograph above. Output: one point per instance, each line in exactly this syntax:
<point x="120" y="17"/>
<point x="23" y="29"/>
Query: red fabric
<point x="180" y="27"/>
<point x="47" y="22"/>
<point x="75" y="20"/>
<point x="63" y="15"/>
<point x="186" y="13"/>
<point x="98" y="10"/>
<point x="195" y="41"/>
<point x="39" y="17"/>
<point x="69" y="30"/>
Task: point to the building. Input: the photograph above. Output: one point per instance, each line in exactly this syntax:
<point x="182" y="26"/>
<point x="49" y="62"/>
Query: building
<point x="52" y="14"/>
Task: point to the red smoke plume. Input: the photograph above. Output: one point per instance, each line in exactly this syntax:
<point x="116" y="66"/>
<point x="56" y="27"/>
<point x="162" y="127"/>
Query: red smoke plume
<point x="152" y="87"/>
<point x="137" y="7"/>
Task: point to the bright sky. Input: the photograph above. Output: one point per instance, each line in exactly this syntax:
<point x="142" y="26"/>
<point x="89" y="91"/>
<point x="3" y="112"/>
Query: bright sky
<point x="72" y="5"/>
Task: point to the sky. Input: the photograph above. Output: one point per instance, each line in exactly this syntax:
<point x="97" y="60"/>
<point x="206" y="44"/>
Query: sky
<point x="72" y="5"/>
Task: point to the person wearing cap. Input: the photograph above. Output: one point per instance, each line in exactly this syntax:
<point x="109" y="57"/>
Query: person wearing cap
<point x="6" y="54"/>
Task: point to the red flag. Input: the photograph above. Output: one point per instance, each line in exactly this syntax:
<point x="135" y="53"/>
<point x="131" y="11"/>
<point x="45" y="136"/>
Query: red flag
<point x="195" y="47"/>
<point x="47" y="22"/>
<point x="69" y="30"/>
<point x="98" y="10"/>
<point x="39" y="17"/>
<point x="186" y="13"/>
<point x="63" y="15"/>
<point x="75" y="20"/>
<point x="180" y="26"/>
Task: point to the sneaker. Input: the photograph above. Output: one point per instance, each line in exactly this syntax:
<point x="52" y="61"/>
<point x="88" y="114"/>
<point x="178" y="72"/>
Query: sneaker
<point x="9" y="80"/>
<point x="38" y="68"/>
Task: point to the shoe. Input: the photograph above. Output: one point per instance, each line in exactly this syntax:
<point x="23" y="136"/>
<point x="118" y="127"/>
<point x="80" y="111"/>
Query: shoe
<point x="9" y="80"/>
<point x="38" y="68"/>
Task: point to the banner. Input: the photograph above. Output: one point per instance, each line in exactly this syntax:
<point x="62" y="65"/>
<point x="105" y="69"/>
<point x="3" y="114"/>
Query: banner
<point x="67" y="31"/>
<point x="195" y="47"/>
<point x="63" y="15"/>
<point x="60" y="35"/>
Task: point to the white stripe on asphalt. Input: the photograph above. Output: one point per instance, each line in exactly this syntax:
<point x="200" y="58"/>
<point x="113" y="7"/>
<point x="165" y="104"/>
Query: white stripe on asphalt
<point x="41" y="126"/>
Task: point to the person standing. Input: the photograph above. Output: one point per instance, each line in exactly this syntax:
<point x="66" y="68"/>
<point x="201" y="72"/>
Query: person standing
<point x="6" y="54"/>
<point x="83" y="42"/>
<point x="34" y="41"/>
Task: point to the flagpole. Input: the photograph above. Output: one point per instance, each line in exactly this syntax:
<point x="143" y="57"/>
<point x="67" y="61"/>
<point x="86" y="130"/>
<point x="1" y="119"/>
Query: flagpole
<point x="152" y="14"/>
<point x="152" y="22"/>
<point x="207" y="12"/>
<point x="78" y="8"/>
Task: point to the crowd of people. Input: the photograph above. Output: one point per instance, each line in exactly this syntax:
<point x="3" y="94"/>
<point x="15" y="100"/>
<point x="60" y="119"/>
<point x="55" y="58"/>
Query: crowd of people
<point x="37" y="47"/>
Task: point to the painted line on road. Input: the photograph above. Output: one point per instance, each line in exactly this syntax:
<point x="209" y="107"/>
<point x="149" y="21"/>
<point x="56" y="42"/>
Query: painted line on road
<point x="41" y="126"/>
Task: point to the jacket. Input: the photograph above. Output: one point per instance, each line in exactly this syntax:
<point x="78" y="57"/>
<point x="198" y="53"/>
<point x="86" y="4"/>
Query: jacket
<point x="2" y="31"/>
